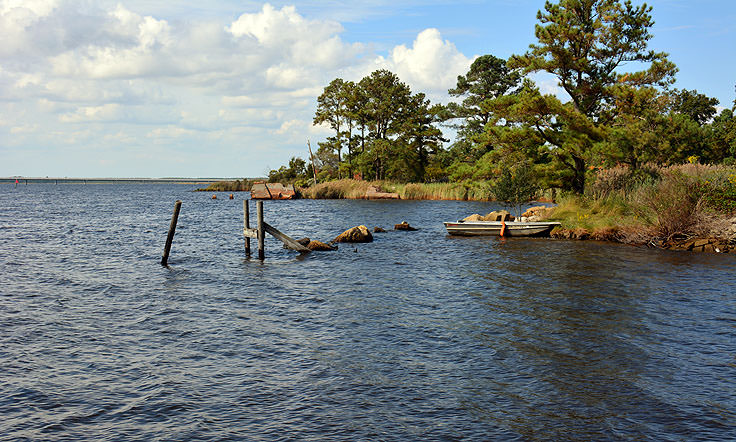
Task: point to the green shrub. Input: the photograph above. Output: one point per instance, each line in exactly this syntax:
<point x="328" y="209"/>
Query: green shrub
<point x="673" y="203"/>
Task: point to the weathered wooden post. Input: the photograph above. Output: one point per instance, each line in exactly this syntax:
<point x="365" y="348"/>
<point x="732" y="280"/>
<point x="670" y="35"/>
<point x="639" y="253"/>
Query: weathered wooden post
<point x="246" y="226"/>
<point x="170" y="237"/>
<point x="261" y="231"/>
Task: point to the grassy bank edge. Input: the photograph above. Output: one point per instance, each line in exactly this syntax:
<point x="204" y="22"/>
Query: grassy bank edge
<point x="243" y="185"/>
<point x="684" y="206"/>
<point x="354" y="189"/>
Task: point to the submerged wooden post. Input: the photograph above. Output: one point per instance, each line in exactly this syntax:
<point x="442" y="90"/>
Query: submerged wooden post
<point x="246" y="226"/>
<point x="261" y="231"/>
<point x="170" y="237"/>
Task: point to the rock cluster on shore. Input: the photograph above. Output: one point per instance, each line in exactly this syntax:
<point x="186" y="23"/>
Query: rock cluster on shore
<point x="496" y="215"/>
<point x="533" y="214"/>
<point x="712" y="245"/>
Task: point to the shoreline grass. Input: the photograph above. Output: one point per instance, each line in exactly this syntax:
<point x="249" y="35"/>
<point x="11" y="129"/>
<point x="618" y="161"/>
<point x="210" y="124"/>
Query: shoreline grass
<point x="243" y="185"/>
<point x="652" y="205"/>
<point x="354" y="189"/>
<point x="660" y="205"/>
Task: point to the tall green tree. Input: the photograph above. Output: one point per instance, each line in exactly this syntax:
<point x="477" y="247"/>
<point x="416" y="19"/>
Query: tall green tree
<point x="420" y="136"/>
<point x="297" y="170"/>
<point x="488" y="78"/>
<point x="646" y="128"/>
<point x="355" y="118"/>
<point x="722" y="137"/>
<point x="332" y="109"/>
<point x="699" y="107"/>
<point x="387" y="100"/>
<point x="585" y="44"/>
<point x="389" y="132"/>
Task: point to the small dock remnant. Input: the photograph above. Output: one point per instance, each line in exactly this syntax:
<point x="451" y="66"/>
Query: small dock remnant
<point x="259" y="233"/>
<point x="374" y="194"/>
<point x="272" y="191"/>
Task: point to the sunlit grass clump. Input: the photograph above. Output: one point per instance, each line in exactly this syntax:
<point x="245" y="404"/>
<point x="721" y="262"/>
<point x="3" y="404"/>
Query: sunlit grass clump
<point x="662" y="203"/>
<point x="347" y="188"/>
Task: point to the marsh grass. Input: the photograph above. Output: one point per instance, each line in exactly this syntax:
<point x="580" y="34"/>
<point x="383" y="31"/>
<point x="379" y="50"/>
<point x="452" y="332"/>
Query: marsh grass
<point x="478" y="191"/>
<point x="654" y="202"/>
<point x="662" y="203"/>
<point x="229" y="186"/>
<point x="596" y="214"/>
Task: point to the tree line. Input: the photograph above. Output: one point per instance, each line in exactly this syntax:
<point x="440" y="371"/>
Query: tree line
<point x="503" y="120"/>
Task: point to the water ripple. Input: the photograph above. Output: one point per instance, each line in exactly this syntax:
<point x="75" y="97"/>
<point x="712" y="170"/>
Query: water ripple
<point x="416" y="336"/>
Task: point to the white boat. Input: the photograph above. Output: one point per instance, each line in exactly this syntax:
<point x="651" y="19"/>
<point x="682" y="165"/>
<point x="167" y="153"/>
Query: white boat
<point x="510" y="228"/>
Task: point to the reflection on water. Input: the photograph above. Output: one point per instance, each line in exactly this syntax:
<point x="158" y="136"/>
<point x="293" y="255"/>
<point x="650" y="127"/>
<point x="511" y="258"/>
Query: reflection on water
<point x="416" y="336"/>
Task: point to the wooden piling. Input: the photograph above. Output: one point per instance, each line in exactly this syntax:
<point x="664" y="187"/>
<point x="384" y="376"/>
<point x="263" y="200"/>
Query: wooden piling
<point x="261" y="230"/>
<point x="246" y="226"/>
<point x="170" y="237"/>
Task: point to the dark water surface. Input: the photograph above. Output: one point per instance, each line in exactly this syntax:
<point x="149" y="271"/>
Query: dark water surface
<point x="416" y="336"/>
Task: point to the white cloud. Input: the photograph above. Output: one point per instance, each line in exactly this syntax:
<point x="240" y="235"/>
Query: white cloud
<point x="431" y="63"/>
<point x="110" y="75"/>
<point x="106" y="112"/>
<point x="284" y="27"/>
<point x="287" y="77"/>
<point x="138" y="46"/>
<point x="290" y="39"/>
<point x="28" y="128"/>
<point x="16" y="16"/>
<point x="171" y="132"/>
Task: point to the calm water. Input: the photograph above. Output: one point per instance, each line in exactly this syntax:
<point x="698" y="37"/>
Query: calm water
<point x="416" y="336"/>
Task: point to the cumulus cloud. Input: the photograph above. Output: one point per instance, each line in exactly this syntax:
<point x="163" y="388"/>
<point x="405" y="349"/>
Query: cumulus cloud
<point x="72" y="71"/>
<point x="430" y="64"/>
<point x="140" y="47"/>
<point x="106" y="112"/>
<point x="17" y="17"/>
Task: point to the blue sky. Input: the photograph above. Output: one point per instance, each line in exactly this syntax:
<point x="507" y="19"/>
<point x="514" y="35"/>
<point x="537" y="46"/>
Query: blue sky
<point x="156" y="88"/>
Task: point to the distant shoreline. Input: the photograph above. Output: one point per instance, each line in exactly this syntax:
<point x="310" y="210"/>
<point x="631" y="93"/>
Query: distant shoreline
<point x="66" y="180"/>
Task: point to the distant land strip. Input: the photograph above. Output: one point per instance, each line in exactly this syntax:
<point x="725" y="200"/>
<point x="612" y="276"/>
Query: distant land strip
<point x="67" y="180"/>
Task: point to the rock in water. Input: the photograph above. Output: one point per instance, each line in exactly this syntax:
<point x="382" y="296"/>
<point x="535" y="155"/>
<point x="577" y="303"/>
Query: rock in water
<point x="320" y="246"/>
<point x="379" y="230"/>
<point x="303" y="241"/>
<point x="356" y="234"/>
<point x="404" y="226"/>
